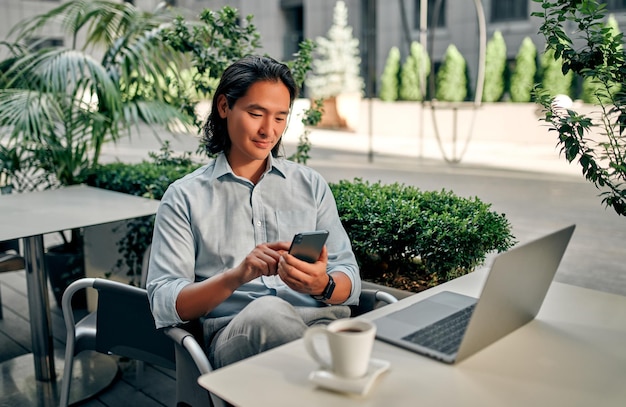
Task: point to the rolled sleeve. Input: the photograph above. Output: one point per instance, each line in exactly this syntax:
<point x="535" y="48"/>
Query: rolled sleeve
<point x="172" y="265"/>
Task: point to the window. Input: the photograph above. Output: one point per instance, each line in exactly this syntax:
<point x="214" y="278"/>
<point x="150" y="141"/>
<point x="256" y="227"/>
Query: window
<point x="432" y="6"/>
<point x="294" y="33"/>
<point x="615" y="4"/>
<point x="508" y="10"/>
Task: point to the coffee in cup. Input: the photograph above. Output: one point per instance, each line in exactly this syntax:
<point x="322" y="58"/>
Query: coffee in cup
<point x="349" y="342"/>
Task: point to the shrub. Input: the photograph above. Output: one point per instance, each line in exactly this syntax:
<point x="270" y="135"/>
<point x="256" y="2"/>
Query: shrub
<point x="389" y="81"/>
<point x="495" y="65"/>
<point x="552" y="78"/>
<point x="452" y="77"/>
<point x="416" y="67"/>
<point x="523" y="79"/>
<point x="410" y="239"/>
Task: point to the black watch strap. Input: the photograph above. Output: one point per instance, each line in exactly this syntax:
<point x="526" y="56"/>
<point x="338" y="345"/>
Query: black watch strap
<point x="328" y="291"/>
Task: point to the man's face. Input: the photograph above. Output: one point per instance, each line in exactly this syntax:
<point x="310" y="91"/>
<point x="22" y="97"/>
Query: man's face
<point x="256" y="121"/>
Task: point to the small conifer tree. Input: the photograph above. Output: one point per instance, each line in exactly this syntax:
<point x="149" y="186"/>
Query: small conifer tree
<point x="495" y="65"/>
<point x="523" y="78"/>
<point x="415" y="69"/>
<point x="451" y="77"/>
<point x="552" y="78"/>
<point x="390" y="79"/>
<point x="336" y="64"/>
<point x="593" y="91"/>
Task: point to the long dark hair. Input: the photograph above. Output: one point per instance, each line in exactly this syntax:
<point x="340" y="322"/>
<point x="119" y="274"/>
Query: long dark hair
<point x="235" y="82"/>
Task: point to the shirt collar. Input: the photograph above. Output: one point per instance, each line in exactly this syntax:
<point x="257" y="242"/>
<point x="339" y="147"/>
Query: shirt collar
<point x="275" y="165"/>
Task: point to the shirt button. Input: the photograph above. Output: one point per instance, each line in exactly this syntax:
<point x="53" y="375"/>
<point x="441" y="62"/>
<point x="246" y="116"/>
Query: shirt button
<point x="258" y="223"/>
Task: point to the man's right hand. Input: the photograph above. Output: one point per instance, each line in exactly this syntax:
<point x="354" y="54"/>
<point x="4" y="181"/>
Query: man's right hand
<point x="261" y="261"/>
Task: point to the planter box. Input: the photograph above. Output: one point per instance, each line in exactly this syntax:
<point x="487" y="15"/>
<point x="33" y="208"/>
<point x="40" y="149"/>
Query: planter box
<point x="341" y="112"/>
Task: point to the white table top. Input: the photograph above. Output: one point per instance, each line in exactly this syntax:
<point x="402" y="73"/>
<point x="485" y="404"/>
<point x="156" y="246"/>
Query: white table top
<point x="38" y="213"/>
<point x="573" y="354"/>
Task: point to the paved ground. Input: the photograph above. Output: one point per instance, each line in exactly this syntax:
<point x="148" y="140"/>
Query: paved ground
<point x="528" y="182"/>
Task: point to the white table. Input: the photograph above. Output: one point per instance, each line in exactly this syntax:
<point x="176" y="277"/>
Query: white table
<point x="30" y="216"/>
<point x="572" y="354"/>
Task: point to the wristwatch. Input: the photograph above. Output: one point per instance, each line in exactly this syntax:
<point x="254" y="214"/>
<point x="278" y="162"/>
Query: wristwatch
<point x="328" y="291"/>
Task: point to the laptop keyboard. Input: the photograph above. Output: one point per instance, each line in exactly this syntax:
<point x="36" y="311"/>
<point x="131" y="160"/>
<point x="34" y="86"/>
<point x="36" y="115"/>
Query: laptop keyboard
<point x="444" y="335"/>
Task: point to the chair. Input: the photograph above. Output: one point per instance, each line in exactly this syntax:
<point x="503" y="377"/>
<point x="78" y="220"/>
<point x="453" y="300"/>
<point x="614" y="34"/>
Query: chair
<point x="10" y="260"/>
<point x="192" y="362"/>
<point x="112" y="329"/>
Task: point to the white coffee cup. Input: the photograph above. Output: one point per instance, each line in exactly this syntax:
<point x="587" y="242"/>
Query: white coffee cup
<point x="350" y="342"/>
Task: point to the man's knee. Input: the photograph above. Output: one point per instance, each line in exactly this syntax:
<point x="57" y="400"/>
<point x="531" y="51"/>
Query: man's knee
<point x="267" y="309"/>
<point x="271" y="320"/>
<point x="265" y="323"/>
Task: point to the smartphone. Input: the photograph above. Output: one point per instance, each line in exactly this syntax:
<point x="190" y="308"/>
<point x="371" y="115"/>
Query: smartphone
<point x="307" y="246"/>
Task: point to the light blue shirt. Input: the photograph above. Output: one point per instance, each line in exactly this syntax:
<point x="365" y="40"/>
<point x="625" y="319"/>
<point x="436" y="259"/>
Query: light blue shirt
<point x="209" y="220"/>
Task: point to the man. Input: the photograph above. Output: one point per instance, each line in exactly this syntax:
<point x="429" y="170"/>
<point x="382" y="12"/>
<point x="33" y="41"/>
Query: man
<point x="219" y="250"/>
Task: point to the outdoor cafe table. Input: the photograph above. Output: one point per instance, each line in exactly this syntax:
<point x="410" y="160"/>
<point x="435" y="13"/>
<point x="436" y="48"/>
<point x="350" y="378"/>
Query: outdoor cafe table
<point x="572" y="354"/>
<point x="29" y="216"/>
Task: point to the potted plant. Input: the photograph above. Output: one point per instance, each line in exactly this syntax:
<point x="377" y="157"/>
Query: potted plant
<point x="334" y="77"/>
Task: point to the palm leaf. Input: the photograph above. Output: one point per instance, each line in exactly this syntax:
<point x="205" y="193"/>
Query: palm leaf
<point x="28" y="113"/>
<point x="156" y="113"/>
<point x="62" y="104"/>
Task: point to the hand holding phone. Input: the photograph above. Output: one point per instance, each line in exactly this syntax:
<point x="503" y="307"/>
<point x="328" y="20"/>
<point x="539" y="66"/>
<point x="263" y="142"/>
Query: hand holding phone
<point x="307" y="246"/>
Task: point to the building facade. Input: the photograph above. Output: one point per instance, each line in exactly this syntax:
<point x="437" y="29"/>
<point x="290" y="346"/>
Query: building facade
<point x="378" y="24"/>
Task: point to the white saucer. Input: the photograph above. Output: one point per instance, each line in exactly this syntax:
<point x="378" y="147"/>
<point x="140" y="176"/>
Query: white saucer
<point x="361" y="385"/>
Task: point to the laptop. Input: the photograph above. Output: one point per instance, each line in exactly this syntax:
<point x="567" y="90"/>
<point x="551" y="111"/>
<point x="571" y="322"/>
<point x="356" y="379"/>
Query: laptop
<point x="511" y="297"/>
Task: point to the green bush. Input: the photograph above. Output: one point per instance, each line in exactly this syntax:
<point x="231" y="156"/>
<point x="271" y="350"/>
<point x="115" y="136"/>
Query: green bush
<point x="452" y="77"/>
<point x="148" y="179"/>
<point x="390" y="79"/>
<point x="411" y="239"/>
<point x="495" y="65"/>
<point x="523" y="78"/>
<point x="552" y="78"/>
<point x="416" y="67"/>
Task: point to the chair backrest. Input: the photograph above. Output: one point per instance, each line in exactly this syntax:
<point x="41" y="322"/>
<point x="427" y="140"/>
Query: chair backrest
<point x="125" y="325"/>
<point x="12" y="245"/>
